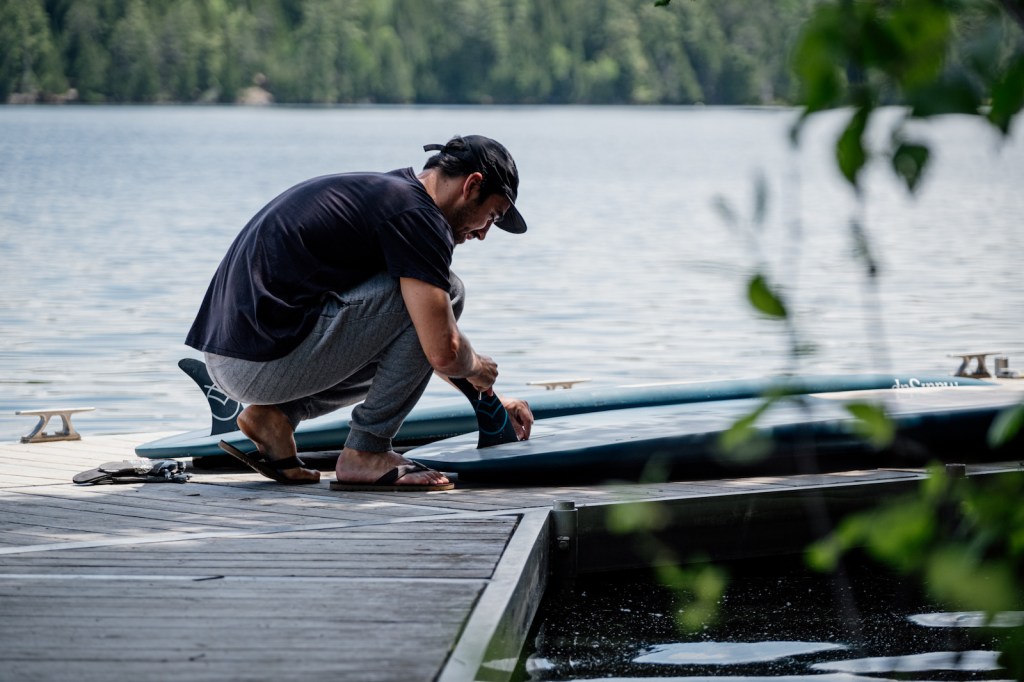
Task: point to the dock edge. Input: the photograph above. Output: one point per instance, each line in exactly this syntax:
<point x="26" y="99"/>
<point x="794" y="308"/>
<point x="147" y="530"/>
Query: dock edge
<point x="495" y="632"/>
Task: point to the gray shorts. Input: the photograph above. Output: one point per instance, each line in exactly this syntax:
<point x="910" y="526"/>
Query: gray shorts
<point x="363" y="348"/>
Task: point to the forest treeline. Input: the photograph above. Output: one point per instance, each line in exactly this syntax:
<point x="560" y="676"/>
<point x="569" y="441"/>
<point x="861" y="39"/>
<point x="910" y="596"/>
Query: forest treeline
<point x="399" y="51"/>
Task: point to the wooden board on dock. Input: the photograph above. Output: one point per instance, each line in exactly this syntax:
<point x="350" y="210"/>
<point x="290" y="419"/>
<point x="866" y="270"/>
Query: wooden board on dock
<point x="232" y="577"/>
<point x="226" y="577"/>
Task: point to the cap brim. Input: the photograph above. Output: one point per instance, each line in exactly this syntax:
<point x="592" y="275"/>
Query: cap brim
<point x="512" y="221"/>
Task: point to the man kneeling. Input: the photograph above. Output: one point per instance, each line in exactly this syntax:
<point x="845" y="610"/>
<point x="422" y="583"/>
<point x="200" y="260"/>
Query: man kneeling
<point x="340" y="290"/>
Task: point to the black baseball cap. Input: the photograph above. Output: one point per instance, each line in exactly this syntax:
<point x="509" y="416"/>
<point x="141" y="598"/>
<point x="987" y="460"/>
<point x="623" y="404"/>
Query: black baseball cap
<point x="489" y="157"/>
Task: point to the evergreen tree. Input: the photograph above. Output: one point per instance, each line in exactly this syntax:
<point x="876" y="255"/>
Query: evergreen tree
<point x="180" y="41"/>
<point x="416" y="51"/>
<point x="30" y="63"/>
<point x="84" y="53"/>
<point x="134" y="75"/>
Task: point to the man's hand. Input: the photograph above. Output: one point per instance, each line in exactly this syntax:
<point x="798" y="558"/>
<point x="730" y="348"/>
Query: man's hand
<point x="521" y="415"/>
<point x="485" y="373"/>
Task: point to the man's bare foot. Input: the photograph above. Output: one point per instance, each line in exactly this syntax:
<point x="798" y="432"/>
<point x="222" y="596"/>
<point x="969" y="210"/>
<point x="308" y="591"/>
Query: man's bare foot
<point x="270" y="430"/>
<point x="360" y="466"/>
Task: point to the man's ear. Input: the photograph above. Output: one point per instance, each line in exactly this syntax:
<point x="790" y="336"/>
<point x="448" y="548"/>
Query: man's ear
<point x="472" y="183"/>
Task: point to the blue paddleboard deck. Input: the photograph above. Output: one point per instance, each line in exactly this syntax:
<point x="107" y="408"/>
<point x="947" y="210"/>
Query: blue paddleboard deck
<point x="684" y="440"/>
<point x="445" y="419"/>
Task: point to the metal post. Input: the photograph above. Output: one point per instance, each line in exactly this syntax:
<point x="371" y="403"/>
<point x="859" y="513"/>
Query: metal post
<point x="566" y="539"/>
<point x="956" y="470"/>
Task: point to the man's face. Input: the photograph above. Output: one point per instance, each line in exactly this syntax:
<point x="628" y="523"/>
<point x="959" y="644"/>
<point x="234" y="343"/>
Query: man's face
<point x="473" y="218"/>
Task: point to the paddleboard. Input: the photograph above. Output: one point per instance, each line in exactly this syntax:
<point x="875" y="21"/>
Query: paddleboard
<point x="447" y="418"/>
<point x="684" y="440"/>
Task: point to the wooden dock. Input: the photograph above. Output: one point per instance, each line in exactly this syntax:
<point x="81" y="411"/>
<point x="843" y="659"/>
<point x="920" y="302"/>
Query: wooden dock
<point x="233" y="577"/>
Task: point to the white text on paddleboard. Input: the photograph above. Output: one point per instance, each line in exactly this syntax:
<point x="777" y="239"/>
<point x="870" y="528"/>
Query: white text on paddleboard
<point x="917" y="383"/>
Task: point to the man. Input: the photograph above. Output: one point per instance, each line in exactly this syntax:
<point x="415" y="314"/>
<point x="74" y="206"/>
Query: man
<point x="340" y="290"/>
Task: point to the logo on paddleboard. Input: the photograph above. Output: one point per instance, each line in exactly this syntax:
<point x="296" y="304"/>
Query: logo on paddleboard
<point x="917" y="383"/>
<point x="215" y="394"/>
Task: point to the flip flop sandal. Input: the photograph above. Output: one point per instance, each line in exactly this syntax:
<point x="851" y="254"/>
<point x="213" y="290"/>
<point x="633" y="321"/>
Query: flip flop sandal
<point x="389" y="481"/>
<point x="135" y="471"/>
<point x="271" y="468"/>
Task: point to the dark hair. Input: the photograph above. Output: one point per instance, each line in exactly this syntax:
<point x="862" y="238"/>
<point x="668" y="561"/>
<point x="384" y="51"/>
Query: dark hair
<point x="462" y="156"/>
<point x="457" y="159"/>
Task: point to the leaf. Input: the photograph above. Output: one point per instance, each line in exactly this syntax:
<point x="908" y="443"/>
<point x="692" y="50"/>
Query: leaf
<point x="873" y="423"/>
<point x="952" y="95"/>
<point x="1008" y="95"/>
<point x="824" y="554"/>
<point x="909" y="161"/>
<point x="900" y="534"/>
<point x="743" y="441"/>
<point x="764" y="299"/>
<point x="1006" y="425"/>
<point x="627" y="519"/>
<point x="662" y="3"/>
<point x="958" y="577"/>
<point x="817" y="55"/>
<point x="850" y="152"/>
<point x="921" y="33"/>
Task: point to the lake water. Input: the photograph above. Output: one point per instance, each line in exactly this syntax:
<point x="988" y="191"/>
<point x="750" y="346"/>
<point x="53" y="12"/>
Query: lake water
<point x="777" y="620"/>
<point x="112" y="221"/>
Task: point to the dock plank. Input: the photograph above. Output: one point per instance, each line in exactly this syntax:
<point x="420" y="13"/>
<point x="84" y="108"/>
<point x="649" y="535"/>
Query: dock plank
<point x="270" y="629"/>
<point x="233" y="577"/>
<point x="228" y="576"/>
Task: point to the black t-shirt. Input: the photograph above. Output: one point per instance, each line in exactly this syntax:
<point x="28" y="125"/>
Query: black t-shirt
<point x="324" y="235"/>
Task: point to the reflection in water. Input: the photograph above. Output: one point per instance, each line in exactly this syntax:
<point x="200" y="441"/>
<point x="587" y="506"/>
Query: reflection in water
<point x="730" y="653"/>
<point x="837" y="677"/>
<point x="969" y="619"/>
<point x="777" y="622"/>
<point x="935" y="660"/>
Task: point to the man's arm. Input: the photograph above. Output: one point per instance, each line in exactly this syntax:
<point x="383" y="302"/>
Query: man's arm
<point x="448" y="351"/>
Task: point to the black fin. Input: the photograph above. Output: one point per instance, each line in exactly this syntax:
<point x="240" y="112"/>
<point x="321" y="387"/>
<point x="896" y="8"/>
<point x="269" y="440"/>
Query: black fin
<point x="224" y="411"/>
<point x="491" y="416"/>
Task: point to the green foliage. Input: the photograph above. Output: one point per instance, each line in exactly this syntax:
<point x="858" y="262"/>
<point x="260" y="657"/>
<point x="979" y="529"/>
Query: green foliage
<point x="29" y="60"/>
<point x="700" y="589"/>
<point x="634" y="519"/>
<point x="1006" y="426"/>
<point x="764" y="299"/>
<point x="698" y="585"/>
<point x="873" y="423"/>
<point x="133" y="53"/>
<point x="935" y="56"/>
<point x="1008" y="94"/>
<point x="743" y="441"/>
<point x="401" y="51"/>
<point x="850" y="153"/>
<point x="963" y="538"/>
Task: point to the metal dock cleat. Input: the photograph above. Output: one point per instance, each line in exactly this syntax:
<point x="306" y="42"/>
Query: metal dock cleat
<point x="980" y="370"/>
<point x="67" y="431"/>
<point x="552" y="384"/>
